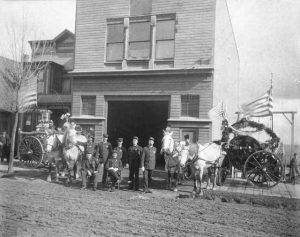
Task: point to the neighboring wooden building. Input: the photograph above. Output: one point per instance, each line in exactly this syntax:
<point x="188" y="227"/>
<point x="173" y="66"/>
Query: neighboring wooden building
<point x="6" y="100"/>
<point x="142" y="64"/>
<point x="54" y="84"/>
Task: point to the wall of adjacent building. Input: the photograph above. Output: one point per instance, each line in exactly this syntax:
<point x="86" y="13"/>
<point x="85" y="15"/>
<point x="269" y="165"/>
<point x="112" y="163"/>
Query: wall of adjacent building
<point x="226" y="67"/>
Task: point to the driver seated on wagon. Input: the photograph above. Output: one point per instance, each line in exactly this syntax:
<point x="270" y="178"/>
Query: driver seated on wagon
<point x="90" y="164"/>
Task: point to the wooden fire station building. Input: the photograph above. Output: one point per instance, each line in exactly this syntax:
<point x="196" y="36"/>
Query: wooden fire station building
<point x="142" y="64"/>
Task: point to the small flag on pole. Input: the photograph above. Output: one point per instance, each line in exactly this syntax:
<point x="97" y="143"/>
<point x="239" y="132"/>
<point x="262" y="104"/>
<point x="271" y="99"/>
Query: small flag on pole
<point x="218" y="112"/>
<point x="260" y="107"/>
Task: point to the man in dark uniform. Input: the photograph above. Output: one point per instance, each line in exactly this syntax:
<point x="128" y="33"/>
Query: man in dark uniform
<point x="90" y="164"/>
<point x="134" y="158"/>
<point x="148" y="163"/>
<point x="121" y="152"/>
<point x="105" y="151"/>
<point x="114" y="167"/>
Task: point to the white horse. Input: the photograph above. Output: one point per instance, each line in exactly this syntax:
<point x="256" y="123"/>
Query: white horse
<point x="171" y="148"/>
<point x="73" y="150"/>
<point x="54" y="154"/>
<point x="207" y="155"/>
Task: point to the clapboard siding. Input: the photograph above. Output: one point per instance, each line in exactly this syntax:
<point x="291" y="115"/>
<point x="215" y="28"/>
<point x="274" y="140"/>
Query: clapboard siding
<point x="204" y="134"/>
<point x="176" y="134"/>
<point x="76" y="106"/>
<point x="175" y="106"/>
<point x="145" y="84"/>
<point x="99" y="131"/>
<point x="194" y="38"/>
<point x="173" y="86"/>
<point x="100" y="103"/>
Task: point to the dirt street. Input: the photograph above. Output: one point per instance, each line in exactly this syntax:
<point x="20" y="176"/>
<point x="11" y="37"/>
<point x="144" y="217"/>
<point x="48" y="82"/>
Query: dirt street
<point x="30" y="206"/>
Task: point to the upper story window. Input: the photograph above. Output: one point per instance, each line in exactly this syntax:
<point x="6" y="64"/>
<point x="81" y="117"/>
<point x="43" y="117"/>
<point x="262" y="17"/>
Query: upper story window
<point x="139" y="39"/>
<point x="132" y="39"/>
<point x="88" y="105"/>
<point x="165" y="39"/>
<point x="140" y="7"/>
<point x="115" y="42"/>
<point x="190" y="105"/>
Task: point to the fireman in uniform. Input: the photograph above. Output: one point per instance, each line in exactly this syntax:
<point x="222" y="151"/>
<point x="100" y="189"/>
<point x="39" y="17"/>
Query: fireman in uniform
<point x="134" y="158"/>
<point x="114" y="168"/>
<point x="148" y="163"/>
<point x="90" y="164"/>
<point x="121" y="152"/>
<point x="104" y="151"/>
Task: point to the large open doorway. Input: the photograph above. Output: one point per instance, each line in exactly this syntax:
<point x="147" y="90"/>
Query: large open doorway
<point x="137" y="118"/>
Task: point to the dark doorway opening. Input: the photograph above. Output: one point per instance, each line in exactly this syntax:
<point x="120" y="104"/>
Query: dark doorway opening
<point x="137" y="118"/>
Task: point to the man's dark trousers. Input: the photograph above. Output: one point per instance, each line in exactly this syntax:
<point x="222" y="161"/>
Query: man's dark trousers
<point x="134" y="166"/>
<point x="147" y="179"/>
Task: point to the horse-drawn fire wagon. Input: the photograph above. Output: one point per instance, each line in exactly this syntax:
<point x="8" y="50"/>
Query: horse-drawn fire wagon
<point x="259" y="162"/>
<point x="31" y="150"/>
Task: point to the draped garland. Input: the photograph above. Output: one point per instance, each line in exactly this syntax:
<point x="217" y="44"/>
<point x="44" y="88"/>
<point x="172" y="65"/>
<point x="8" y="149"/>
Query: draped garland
<point x="244" y="123"/>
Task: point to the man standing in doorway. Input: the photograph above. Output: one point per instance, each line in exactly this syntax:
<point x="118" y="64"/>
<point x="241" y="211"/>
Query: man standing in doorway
<point x="148" y="163"/>
<point x="134" y="158"/>
<point x="185" y="145"/>
<point x="121" y="152"/>
<point x="105" y="151"/>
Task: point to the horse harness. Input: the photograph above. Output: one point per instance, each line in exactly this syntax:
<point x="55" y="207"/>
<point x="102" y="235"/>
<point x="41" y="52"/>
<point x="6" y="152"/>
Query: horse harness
<point x="196" y="158"/>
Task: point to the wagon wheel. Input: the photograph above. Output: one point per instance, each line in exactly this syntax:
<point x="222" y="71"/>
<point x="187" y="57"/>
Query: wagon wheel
<point x="263" y="167"/>
<point x="31" y="151"/>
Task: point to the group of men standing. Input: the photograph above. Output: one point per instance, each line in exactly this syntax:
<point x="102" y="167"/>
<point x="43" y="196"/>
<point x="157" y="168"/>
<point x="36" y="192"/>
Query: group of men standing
<point x="112" y="160"/>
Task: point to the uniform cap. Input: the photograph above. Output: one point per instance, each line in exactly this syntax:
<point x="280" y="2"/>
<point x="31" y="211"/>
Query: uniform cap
<point x="135" y="137"/>
<point x="151" y="138"/>
<point x="120" y="139"/>
<point x="105" y="135"/>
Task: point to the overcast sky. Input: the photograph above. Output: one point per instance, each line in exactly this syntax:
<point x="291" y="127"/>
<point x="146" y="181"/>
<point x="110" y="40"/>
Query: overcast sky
<point x="267" y="34"/>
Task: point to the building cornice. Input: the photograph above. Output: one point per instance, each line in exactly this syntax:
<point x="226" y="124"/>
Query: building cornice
<point x="194" y="71"/>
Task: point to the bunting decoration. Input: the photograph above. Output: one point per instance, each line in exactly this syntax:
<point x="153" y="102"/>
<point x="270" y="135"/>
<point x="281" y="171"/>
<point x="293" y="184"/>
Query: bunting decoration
<point x="27" y="97"/>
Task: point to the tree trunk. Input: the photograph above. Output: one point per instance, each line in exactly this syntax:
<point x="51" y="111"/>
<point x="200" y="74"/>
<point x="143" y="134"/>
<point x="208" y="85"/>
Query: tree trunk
<point x="12" y="146"/>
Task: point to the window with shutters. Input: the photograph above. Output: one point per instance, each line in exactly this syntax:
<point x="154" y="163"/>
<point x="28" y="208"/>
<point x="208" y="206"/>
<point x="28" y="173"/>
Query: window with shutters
<point x="115" y="42"/>
<point x="88" y="105"/>
<point x="190" y="105"/>
<point x="140" y="7"/>
<point x="139" y="39"/>
<point x="165" y="39"/>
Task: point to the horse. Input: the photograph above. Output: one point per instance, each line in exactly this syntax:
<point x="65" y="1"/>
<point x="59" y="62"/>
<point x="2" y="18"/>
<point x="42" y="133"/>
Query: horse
<point x="54" y="154"/>
<point x="170" y="149"/>
<point x="207" y="155"/>
<point x="73" y="150"/>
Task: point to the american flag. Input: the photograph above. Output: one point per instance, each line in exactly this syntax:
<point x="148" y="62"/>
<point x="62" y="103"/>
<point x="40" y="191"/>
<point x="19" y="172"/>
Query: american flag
<point x="260" y="107"/>
<point x="27" y="97"/>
